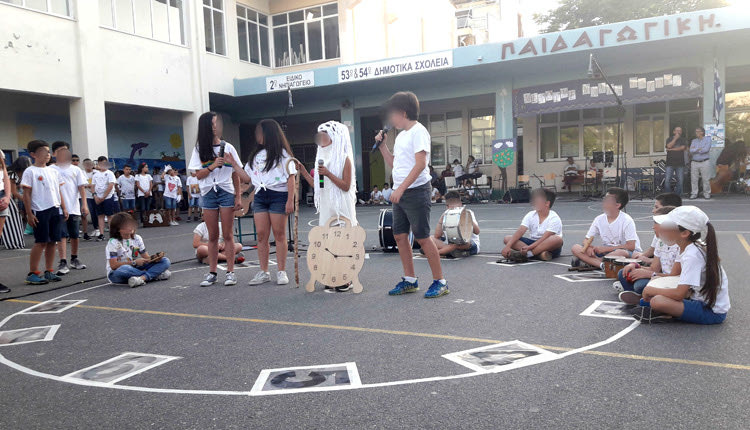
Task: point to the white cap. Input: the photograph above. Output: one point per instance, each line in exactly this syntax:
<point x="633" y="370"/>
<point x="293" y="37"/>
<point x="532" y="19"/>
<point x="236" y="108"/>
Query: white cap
<point x="688" y="217"/>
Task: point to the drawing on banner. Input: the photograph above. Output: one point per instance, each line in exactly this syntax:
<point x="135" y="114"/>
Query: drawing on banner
<point x="28" y="335"/>
<point x="501" y="356"/>
<point x="605" y="309"/>
<point x="326" y="377"/>
<point x="53" y="307"/>
<point x="121" y="367"/>
<point x="594" y="276"/>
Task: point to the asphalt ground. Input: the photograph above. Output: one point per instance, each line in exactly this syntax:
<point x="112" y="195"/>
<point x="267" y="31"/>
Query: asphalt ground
<point x="670" y="375"/>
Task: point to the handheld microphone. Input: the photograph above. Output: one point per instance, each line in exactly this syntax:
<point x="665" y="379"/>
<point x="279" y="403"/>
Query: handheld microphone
<point x="321" y="181"/>
<point x="221" y="150"/>
<point x="385" y="130"/>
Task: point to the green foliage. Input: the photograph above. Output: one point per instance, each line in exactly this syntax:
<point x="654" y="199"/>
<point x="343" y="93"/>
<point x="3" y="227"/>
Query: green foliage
<point x="585" y="13"/>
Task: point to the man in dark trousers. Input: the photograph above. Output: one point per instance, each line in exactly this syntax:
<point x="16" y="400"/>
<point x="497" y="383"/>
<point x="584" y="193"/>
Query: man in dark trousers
<point x="676" y="147"/>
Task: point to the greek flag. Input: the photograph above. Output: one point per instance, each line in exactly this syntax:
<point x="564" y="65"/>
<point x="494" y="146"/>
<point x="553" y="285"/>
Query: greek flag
<point x="718" y="94"/>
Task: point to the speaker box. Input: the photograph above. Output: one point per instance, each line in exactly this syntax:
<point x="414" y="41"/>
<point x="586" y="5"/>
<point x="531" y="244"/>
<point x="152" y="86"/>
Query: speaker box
<point x="517" y="195"/>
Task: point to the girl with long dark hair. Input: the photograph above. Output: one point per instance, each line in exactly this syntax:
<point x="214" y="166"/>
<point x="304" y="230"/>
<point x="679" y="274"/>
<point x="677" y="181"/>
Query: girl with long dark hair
<point x="702" y="295"/>
<point x="218" y="180"/>
<point x="274" y="195"/>
<point x="143" y="184"/>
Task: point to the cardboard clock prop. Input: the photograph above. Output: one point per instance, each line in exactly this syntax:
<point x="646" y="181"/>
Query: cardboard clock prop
<point x="503" y="152"/>
<point x="336" y="254"/>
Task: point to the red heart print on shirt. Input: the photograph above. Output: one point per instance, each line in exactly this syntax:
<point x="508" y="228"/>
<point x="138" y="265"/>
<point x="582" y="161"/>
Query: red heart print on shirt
<point x="171" y="186"/>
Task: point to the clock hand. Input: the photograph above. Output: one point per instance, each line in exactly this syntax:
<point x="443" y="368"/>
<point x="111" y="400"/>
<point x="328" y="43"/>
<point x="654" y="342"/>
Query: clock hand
<point x="334" y="255"/>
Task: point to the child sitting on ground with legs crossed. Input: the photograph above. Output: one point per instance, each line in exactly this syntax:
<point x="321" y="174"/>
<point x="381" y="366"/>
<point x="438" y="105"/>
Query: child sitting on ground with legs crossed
<point x="446" y="249"/>
<point x="544" y="227"/>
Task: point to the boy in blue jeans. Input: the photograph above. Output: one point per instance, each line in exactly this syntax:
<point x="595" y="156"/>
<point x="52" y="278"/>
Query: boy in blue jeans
<point x="127" y="259"/>
<point x="44" y="202"/>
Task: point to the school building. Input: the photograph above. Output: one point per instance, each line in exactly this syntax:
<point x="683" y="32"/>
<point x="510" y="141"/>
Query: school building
<point x="129" y="78"/>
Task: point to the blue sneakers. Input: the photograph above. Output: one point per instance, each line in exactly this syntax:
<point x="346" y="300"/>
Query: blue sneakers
<point x="35" y="279"/>
<point x="404" y="287"/>
<point x="437" y="289"/>
<point x="51" y="277"/>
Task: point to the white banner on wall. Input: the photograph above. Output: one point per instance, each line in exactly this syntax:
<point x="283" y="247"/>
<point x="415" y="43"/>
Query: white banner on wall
<point x="396" y="66"/>
<point x="291" y="80"/>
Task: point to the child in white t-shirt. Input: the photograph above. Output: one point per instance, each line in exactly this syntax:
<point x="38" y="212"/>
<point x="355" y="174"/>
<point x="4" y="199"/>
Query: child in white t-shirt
<point x="144" y="184"/>
<point x="615" y="228"/>
<point x="544" y="228"/>
<point x="453" y="201"/>
<point x="702" y="295"/>
<point x="194" y="191"/>
<point x="72" y="190"/>
<point x="172" y="193"/>
<point x="126" y="188"/>
<point x="664" y="199"/>
<point x="104" y="193"/>
<point x="200" y="243"/>
<point x="376" y="197"/>
<point x="127" y="258"/>
<point x="387" y="191"/>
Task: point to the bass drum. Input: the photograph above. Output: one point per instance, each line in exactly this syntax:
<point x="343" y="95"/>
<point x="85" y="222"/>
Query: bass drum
<point x="385" y="232"/>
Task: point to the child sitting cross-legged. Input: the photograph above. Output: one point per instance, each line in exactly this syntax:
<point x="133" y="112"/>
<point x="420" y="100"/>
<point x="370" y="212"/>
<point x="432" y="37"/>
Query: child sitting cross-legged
<point x="702" y="293"/>
<point x="127" y="259"/>
<point x="544" y="226"/>
<point x="446" y="249"/>
<point x="634" y="278"/>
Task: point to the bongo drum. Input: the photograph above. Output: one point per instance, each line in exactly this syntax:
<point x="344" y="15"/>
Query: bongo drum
<point x="621" y="262"/>
<point x="610" y="270"/>
<point x="385" y="231"/>
<point x="457" y="226"/>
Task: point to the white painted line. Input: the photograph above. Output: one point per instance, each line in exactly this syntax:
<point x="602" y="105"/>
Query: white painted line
<point x="134" y="356"/>
<point x="608" y="310"/>
<point x="351" y="370"/>
<point x="48" y="330"/>
<point x="66" y="304"/>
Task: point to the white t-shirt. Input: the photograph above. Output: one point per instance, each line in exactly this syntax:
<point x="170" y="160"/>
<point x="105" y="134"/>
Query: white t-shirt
<point x="474" y="237"/>
<point x="408" y="144"/>
<point x="667" y="254"/>
<point x="693" y="273"/>
<point x="195" y="189"/>
<point x="618" y="233"/>
<point x="552" y="223"/>
<point x="221" y="178"/>
<point x="275" y="179"/>
<point x="102" y="181"/>
<point x="458" y="170"/>
<point x="172" y="184"/>
<point x="73" y="177"/>
<point x="89" y="180"/>
<point x="145" y="181"/>
<point x="202" y="231"/>
<point x="376" y="195"/>
<point x="45" y="187"/>
<point x="124" y="250"/>
<point x="127" y="186"/>
<point x="473" y="166"/>
<point x="387" y="194"/>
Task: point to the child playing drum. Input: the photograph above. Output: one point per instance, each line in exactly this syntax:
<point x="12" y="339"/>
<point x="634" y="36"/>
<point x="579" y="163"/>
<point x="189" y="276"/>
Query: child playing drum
<point x="448" y="247"/>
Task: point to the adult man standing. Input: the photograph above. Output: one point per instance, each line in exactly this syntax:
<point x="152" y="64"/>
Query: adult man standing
<point x="676" y="147"/>
<point x="701" y="165"/>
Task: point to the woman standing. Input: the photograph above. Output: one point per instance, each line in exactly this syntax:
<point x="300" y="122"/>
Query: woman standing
<point x="274" y="196"/>
<point x="217" y="170"/>
<point x="144" y="183"/>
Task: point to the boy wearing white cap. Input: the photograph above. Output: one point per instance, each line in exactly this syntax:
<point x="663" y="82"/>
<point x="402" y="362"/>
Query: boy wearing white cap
<point x="702" y="295"/>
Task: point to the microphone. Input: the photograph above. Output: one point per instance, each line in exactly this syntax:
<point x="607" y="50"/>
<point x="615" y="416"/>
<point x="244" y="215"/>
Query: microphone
<point x="221" y="150"/>
<point x="386" y="129"/>
<point x="321" y="181"/>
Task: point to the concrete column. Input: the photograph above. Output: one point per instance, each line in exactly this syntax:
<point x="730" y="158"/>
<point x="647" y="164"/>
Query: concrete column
<point x="708" y="95"/>
<point x="351" y="119"/>
<point x="201" y="103"/>
<point x="505" y="124"/>
<point x="87" y="117"/>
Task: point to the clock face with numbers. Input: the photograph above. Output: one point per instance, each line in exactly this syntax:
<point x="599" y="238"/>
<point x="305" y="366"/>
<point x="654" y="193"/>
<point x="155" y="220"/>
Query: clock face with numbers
<point x="336" y="254"/>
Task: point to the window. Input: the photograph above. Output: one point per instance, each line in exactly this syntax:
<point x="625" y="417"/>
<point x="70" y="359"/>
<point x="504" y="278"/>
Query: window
<point x="156" y="19"/>
<point x="306" y="35"/>
<point x="738" y="116"/>
<point x="652" y="128"/>
<point x="482" y="134"/>
<point x="56" y="7"/>
<point x="577" y="133"/>
<point x="445" y="132"/>
<point x="213" y="26"/>
<point x="252" y="32"/>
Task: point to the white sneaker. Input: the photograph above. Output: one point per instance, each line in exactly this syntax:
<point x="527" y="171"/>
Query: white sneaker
<point x="231" y="279"/>
<point x="208" y="280"/>
<point x="281" y="278"/>
<point x="163" y="276"/>
<point x="135" y="281"/>
<point x="617" y="285"/>
<point x="96" y="233"/>
<point x="260" y="278"/>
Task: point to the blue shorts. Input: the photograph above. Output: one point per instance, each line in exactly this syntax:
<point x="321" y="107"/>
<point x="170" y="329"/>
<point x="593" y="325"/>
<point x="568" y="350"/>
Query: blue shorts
<point x="170" y="203"/>
<point x="555" y="253"/>
<point x="108" y="207"/>
<point x="70" y="227"/>
<point x="220" y="198"/>
<point x="473" y="249"/>
<point x="195" y="202"/>
<point x="697" y="312"/>
<point x="47" y="225"/>
<point x="270" y="201"/>
<point x="128" y="204"/>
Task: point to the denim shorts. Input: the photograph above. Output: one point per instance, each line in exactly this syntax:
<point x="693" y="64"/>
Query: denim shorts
<point x="220" y="198"/>
<point x="48" y="225"/>
<point x="5" y="212"/>
<point x="270" y="201"/>
<point x="473" y="249"/>
<point x="412" y="212"/>
<point x="108" y="207"/>
<point x="128" y="204"/>
<point x="195" y="202"/>
<point x="170" y="203"/>
<point x="555" y="253"/>
<point x="697" y="312"/>
<point x="70" y="227"/>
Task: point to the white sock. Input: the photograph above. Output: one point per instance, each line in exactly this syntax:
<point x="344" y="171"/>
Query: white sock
<point x="529" y="254"/>
<point x="601" y="266"/>
<point x="443" y="281"/>
<point x="410" y="279"/>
